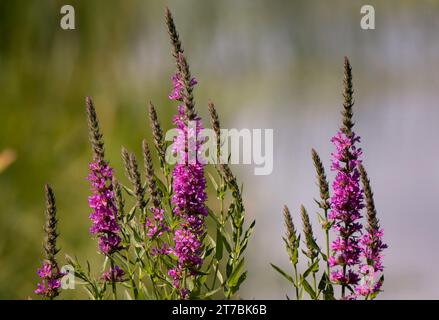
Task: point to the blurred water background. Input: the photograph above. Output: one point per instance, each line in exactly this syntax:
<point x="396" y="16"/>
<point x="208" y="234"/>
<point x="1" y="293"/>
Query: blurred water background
<point x="266" y="64"/>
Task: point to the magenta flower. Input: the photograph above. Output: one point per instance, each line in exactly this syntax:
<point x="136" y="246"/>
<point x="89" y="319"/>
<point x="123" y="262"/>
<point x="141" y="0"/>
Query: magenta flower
<point x="156" y="227"/>
<point x="50" y="281"/>
<point x="369" y="283"/>
<point x="346" y="204"/>
<point x="189" y="196"/>
<point x="103" y="203"/>
<point x="113" y="275"/>
<point x="372" y="247"/>
<point x="178" y="87"/>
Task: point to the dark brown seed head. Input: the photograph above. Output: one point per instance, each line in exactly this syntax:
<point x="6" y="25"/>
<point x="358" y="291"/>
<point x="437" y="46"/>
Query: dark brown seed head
<point x="232" y="182"/>
<point x="348" y="102"/>
<point x="50" y="227"/>
<point x="322" y="181"/>
<point x="133" y="174"/>
<point x="291" y="230"/>
<point x="95" y="136"/>
<point x="372" y="219"/>
<point x="149" y="171"/>
<point x="157" y="132"/>
<point x="120" y="202"/>
<point x="173" y="34"/>
<point x="309" y="235"/>
<point x="188" y="97"/>
<point x="215" y="123"/>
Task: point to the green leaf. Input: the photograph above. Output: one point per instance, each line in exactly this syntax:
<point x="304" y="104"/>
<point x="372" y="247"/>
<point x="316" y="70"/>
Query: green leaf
<point x="226" y="243"/>
<point x="236" y="272"/>
<point x="312" y="268"/>
<point x="325" y="286"/>
<point x="160" y="184"/>
<point x="323" y="281"/>
<point x="241" y="279"/>
<point x="308" y="289"/>
<point x="211" y="293"/>
<point x="314" y="245"/>
<point x="128" y="296"/>
<point x="213" y="216"/>
<point x="130" y="215"/>
<point x="128" y="190"/>
<point x="212" y="179"/>
<point x="285" y="274"/>
<point x="219" y="245"/>
<point x="219" y="275"/>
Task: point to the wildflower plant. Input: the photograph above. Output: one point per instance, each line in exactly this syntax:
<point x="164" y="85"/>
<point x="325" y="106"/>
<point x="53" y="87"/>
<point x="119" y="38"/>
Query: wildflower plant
<point x="158" y="237"/>
<point x="49" y="273"/>
<point x="353" y="259"/>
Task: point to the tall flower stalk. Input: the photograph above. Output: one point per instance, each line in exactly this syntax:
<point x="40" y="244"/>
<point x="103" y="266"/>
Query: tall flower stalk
<point x="347" y="198"/>
<point x="323" y="202"/>
<point x="103" y="199"/>
<point x="354" y="257"/>
<point x="189" y="183"/>
<point x="372" y="245"/>
<point x="49" y="273"/>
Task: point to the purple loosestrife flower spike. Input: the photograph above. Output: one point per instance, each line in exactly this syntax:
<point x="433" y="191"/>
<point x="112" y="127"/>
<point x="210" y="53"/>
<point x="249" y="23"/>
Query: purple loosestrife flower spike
<point x="372" y="244"/>
<point x="189" y="183"/>
<point x="347" y="198"/>
<point x="49" y="272"/>
<point x="50" y="226"/>
<point x="189" y="198"/>
<point x="103" y="203"/>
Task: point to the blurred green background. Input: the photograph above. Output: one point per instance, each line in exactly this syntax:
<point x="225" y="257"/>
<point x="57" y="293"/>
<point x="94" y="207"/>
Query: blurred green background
<point x="266" y="64"/>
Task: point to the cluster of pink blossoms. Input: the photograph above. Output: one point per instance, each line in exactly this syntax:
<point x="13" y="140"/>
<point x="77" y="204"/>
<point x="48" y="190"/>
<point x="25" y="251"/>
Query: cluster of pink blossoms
<point x="189" y="195"/>
<point x="113" y="275"/>
<point x="346" y="204"/>
<point x="50" y="280"/>
<point x="157" y="227"/>
<point x="103" y="203"/>
<point x="350" y="244"/>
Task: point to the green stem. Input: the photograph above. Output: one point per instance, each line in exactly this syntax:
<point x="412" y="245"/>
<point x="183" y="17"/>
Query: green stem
<point x="327" y="243"/>
<point x="113" y="283"/>
<point x="221" y="196"/>
<point x="296" y="285"/>
<point x="315" y="284"/>
<point x="215" y="275"/>
<point x="133" y="283"/>
<point x="343" y="286"/>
